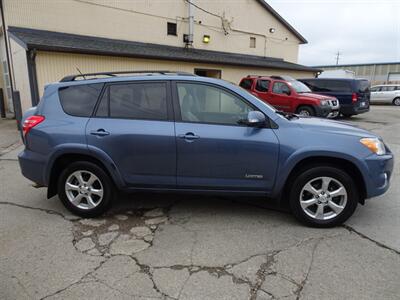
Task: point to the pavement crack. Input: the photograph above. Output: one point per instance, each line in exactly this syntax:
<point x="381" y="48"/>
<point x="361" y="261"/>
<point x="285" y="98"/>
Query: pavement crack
<point x="304" y="282"/>
<point x="48" y="211"/>
<point x="379" y="244"/>
<point x="76" y="282"/>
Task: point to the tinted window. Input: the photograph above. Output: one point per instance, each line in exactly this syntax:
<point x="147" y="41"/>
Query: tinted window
<point x="362" y="86"/>
<point x="337" y="86"/>
<point x="262" y="85"/>
<point x="207" y="104"/>
<point x="246" y="83"/>
<point x="280" y="88"/>
<point x="315" y="85"/>
<point x="138" y="101"/>
<point x="80" y="100"/>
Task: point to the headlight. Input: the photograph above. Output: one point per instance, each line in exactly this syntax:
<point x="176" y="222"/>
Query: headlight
<point x="374" y="144"/>
<point x="324" y="102"/>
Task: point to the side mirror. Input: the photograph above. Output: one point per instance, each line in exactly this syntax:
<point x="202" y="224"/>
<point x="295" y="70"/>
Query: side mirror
<point x="254" y="119"/>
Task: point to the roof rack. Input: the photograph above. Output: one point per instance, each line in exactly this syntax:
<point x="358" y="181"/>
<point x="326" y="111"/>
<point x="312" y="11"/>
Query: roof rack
<point x="114" y="74"/>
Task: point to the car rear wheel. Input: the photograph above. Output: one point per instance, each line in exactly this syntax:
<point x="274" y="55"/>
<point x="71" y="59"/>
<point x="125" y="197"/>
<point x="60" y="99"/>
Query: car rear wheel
<point x="323" y="197"/>
<point x="85" y="189"/>
<point x="305" y="111"/>
<point x="396" y="101"/>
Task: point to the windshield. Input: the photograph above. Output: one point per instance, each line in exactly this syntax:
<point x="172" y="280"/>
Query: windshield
<point x="299" y="87"/>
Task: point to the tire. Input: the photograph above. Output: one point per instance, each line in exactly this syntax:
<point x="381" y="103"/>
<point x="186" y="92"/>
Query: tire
<point x="396" y="101"/>
<point x="346" y="200"/>
<point x="102" y="185"/>
<point x="305" y="111"/>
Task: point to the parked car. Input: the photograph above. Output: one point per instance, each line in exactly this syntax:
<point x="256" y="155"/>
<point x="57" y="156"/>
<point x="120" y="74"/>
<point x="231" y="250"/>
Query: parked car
<point x="353" y="94"/>
<point x="174" y="132"/>
<point x="290" y="95"/>
<point x="386" y="94"/>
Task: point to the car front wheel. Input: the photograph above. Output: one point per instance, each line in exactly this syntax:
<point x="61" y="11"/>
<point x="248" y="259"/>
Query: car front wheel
<point x="305" y="111"/>
<point x="323" y="196"/>
<point x="85" y="189"/>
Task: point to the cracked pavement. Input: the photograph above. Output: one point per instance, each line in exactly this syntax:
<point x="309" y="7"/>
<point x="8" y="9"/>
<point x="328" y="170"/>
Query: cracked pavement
<point x="191" y="247"/>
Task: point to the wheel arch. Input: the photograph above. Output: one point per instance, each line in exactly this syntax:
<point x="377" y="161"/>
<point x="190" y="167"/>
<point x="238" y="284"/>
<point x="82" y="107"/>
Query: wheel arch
<point x="59" y="162"/>
<point x="341" y="163"/>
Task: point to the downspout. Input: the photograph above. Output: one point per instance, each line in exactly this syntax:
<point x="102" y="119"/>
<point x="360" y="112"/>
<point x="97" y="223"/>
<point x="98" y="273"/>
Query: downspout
<point x="7" y="53"/>
<point x="191" y="22"/>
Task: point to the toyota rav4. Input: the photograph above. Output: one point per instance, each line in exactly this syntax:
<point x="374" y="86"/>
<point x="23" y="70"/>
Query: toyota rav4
<point x="164" y="131"/>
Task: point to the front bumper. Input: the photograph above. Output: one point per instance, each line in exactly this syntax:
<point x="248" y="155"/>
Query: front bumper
<point x="323" y="111"/>
<point x="380" y="169"/>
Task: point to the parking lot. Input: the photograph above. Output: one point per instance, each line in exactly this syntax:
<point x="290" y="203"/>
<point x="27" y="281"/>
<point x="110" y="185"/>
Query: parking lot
<point x="195" y="247"/>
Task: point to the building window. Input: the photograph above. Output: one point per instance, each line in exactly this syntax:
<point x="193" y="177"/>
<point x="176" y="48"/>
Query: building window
<point x="252" y="42"/>
<point x="171" y="28"/>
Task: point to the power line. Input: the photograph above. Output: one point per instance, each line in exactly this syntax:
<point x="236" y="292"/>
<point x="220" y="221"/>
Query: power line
<point x="204" y="10"/>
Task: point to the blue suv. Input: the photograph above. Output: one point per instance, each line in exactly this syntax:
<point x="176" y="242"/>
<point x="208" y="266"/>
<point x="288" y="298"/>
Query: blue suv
<point x="164" y="131"/>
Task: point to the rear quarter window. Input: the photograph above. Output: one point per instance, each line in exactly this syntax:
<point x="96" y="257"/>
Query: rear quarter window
<point x="246" y="83"/>
<point x="79" y="100"/>
<point x="362" y="86"/>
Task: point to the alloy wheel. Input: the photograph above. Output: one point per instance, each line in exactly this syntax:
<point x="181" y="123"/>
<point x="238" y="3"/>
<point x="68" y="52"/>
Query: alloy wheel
<point x="84" y="189"/>
<point x="323" y="198"/>
<point x="396" y="102"/>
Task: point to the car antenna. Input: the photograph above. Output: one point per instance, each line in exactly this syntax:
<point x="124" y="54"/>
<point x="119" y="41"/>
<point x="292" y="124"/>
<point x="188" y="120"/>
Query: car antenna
<point x="81" y="73"/>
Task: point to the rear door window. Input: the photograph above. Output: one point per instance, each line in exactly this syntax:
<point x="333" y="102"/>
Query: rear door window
<point x="246" y="83"/>
<point x="145" y="101"/>
<point x="262" y="85"/>
<point x="80" y="100"/>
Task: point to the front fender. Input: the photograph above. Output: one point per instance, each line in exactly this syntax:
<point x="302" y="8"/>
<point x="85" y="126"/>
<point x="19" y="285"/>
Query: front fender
<point x="288" y="164"/>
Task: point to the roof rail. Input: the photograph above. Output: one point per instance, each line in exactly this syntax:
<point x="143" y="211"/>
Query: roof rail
<point x="113" y="74"/>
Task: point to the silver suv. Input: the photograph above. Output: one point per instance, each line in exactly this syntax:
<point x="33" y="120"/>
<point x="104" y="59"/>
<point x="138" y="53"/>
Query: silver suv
<point x="386" y="94"/>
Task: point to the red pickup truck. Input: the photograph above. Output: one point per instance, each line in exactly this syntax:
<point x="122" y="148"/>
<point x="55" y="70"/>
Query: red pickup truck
<point x="290" y="95"/>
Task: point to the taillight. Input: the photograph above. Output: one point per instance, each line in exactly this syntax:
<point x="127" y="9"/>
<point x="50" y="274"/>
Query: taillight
<point x="354" y="97"/>
<point x="31" y="122"/>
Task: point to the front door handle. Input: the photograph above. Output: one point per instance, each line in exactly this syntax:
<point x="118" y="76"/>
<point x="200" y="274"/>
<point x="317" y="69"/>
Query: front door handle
<point x="100" y="132"/>
<point x="190" y="136"/>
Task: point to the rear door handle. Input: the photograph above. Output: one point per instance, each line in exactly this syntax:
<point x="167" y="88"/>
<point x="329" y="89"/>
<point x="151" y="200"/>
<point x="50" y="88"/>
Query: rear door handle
<point x="190" y="136"/>
<point x="100" y="132"/>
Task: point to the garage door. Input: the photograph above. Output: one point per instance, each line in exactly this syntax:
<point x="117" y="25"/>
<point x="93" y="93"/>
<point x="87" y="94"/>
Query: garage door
<point x="394" y="77"/>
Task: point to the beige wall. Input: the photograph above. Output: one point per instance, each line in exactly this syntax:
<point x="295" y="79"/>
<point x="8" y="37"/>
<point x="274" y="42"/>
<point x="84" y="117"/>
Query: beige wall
<point x="52" y="66"/>
<point x="21" y="78"/>
<point x="146" y="21"/>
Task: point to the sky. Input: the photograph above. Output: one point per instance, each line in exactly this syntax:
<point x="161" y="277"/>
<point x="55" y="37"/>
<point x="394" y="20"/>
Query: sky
<point x="363" y="31"/>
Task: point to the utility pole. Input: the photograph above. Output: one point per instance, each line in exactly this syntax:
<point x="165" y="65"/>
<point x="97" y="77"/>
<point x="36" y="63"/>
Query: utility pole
<point x="337" y="57"/>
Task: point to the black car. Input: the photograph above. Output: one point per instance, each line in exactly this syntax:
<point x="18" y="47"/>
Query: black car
<point x="353" y="94"/>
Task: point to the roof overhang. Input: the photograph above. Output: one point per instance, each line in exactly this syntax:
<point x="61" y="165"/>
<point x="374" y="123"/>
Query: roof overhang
<point x="72" y="43"/>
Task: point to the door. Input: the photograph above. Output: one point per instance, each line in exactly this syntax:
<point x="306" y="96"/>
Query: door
<point x="388" y="93"/>
<point x="134" y="126"/>
<point x="376" y="94"/>
<point x="213" y="150"/>
<point x="280" y="96"/>
<point x="262" y="90"/>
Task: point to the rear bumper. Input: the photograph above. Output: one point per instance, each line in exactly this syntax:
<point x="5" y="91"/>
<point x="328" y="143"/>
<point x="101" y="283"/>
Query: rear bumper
<point x="32" y="166"/>
<point x="380" y="169"/>
<point x="353" y="109"/>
